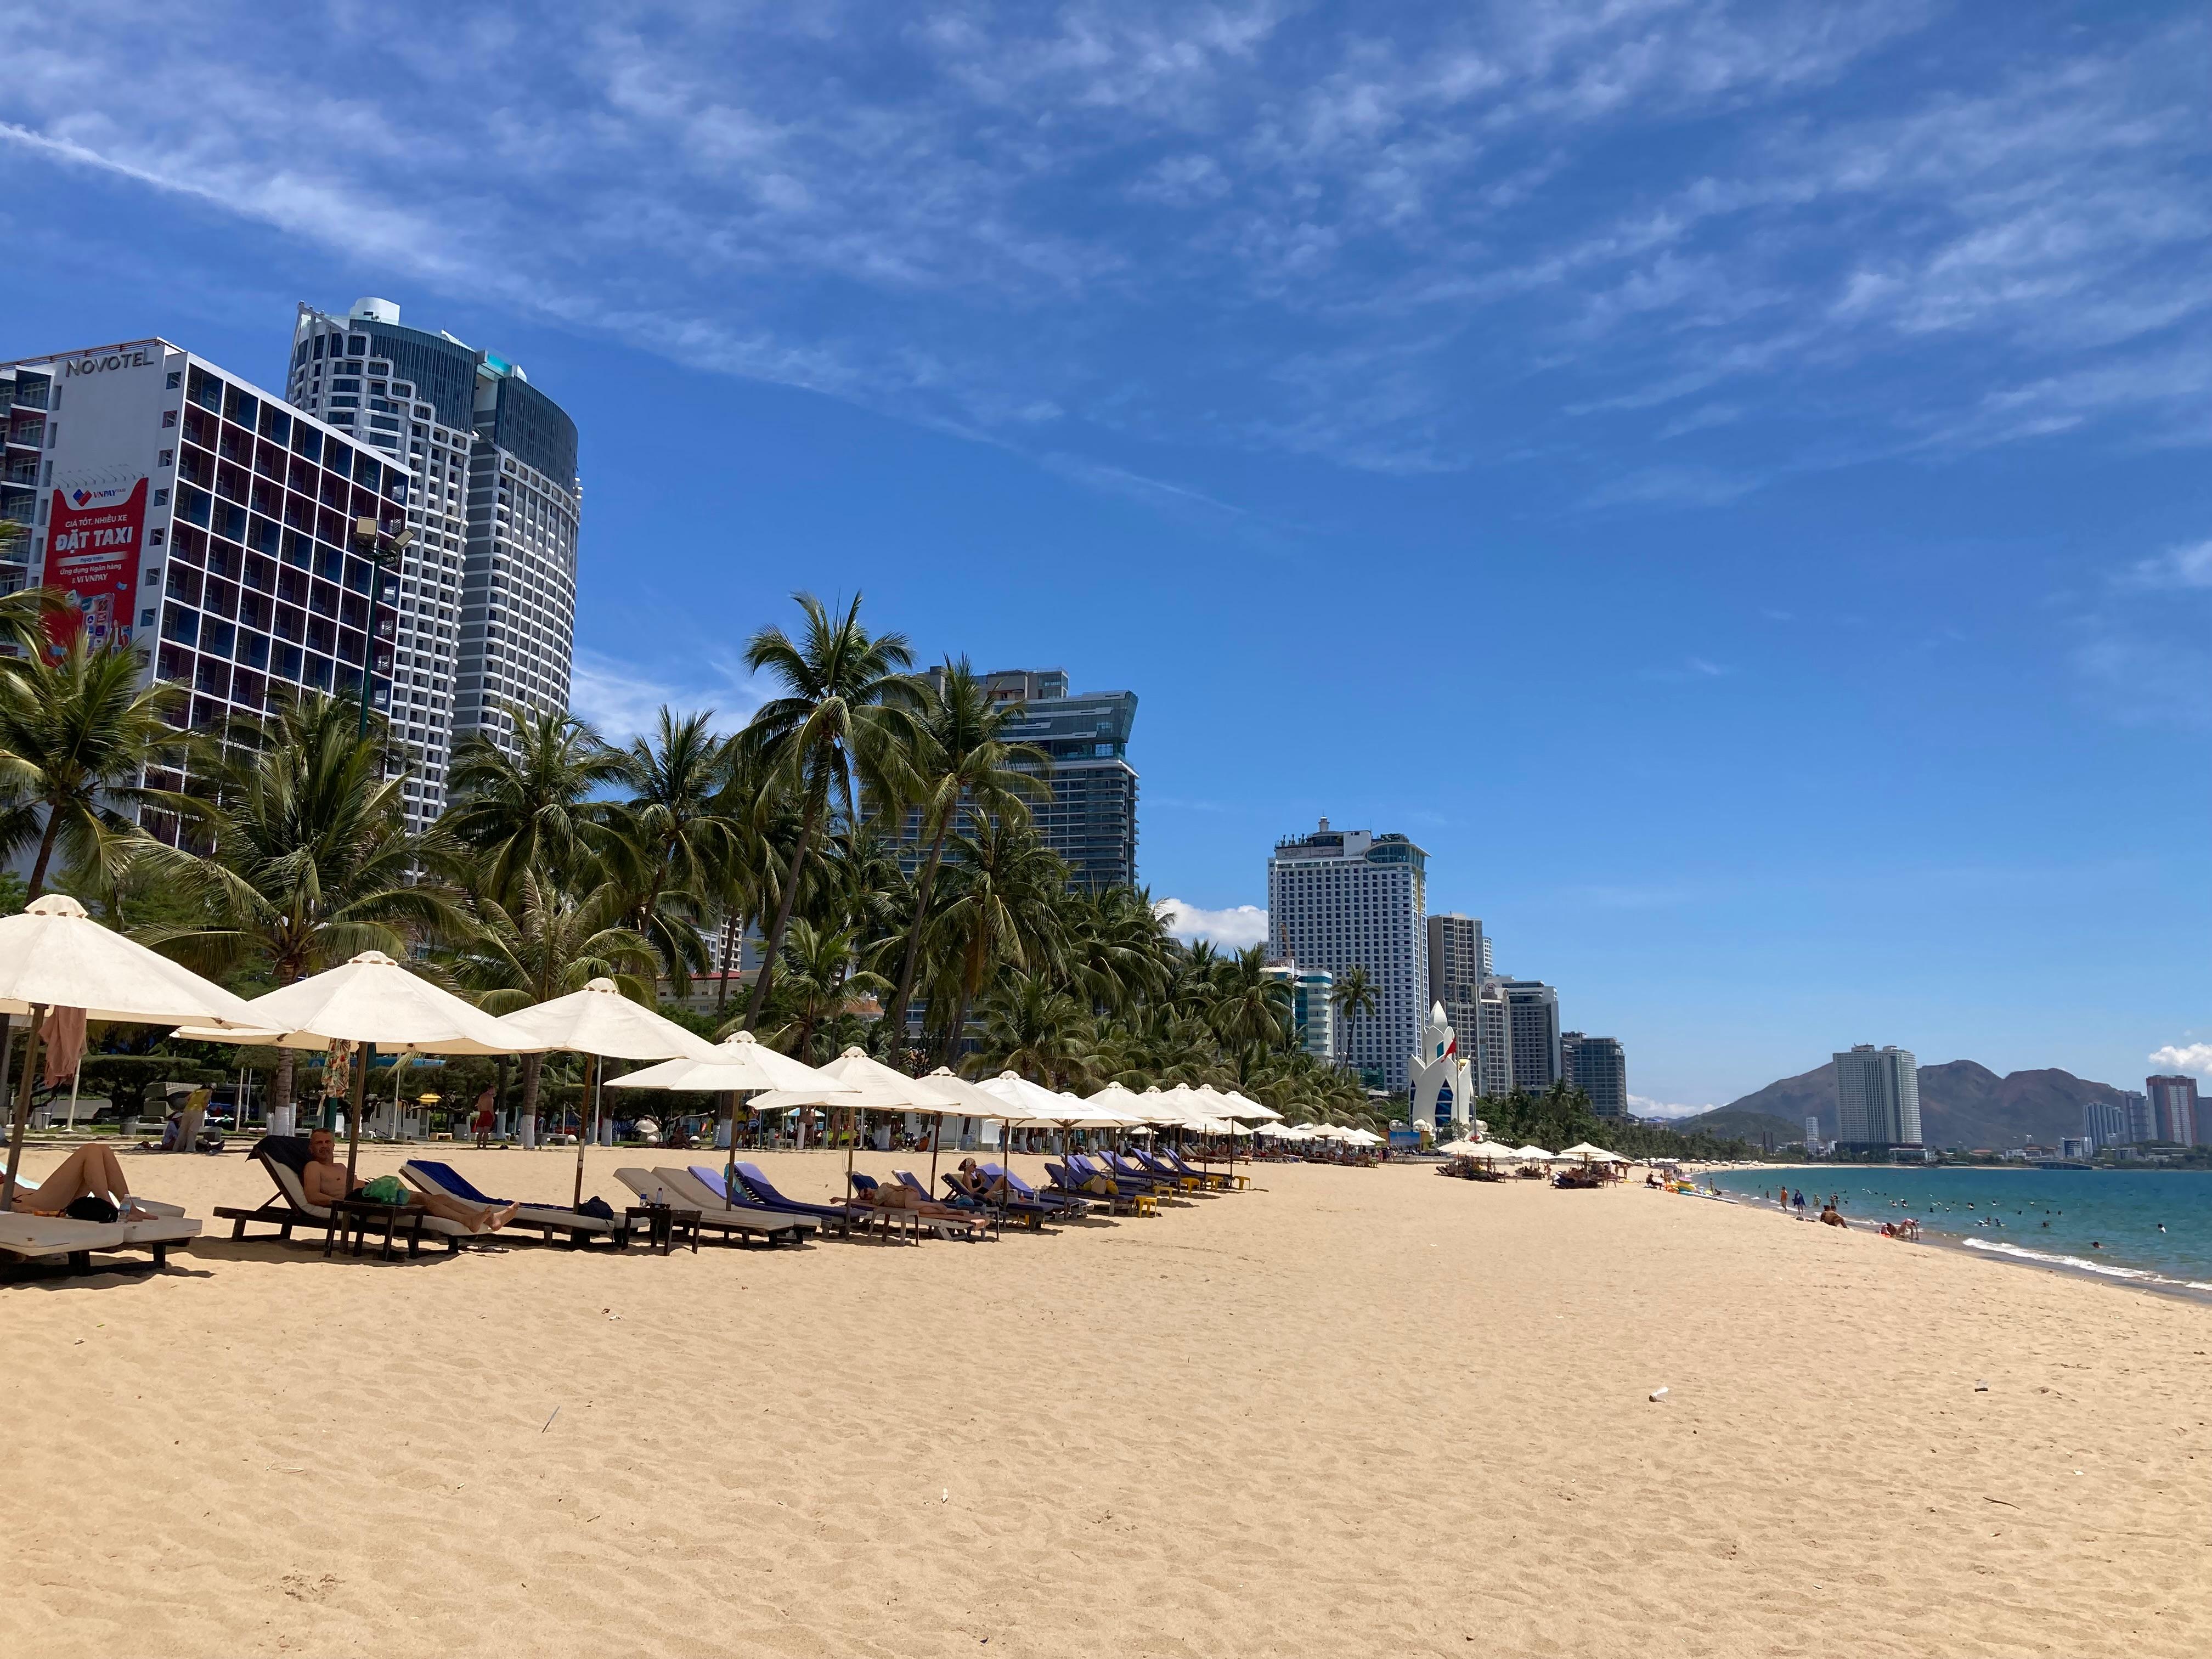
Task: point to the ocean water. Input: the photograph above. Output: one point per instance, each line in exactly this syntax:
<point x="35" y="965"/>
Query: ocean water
<point x="2152" y="1226"/>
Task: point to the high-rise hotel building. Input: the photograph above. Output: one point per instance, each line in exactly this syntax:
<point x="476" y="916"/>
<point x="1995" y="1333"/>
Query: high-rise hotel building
<point x="488" y="587"/>
<point x="200" y="522"/>
<point x="1878" y="1097"/>
<point x="1091" y="820"/>
<point x="1340" y="899"/>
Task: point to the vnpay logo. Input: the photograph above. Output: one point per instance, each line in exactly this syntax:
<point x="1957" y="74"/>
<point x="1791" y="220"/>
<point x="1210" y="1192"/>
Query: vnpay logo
<point x="86" y="497"/>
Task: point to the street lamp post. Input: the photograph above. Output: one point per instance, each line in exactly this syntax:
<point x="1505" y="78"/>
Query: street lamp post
<point x="381" y="549"/>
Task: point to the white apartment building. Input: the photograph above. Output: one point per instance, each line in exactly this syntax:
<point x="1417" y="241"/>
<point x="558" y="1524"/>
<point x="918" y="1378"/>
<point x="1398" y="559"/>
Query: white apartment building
<point x="488" y="590"/>
<point x="1877" y="1098"/>
<point x="1338" y="899"/>
<point x="199" y="521"/>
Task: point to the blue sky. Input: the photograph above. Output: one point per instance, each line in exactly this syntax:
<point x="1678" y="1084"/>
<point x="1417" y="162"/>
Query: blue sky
<point x="1729" y="480"/>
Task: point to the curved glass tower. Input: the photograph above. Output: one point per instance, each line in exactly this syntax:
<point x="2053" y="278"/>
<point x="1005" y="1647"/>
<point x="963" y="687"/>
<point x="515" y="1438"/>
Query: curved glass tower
<point x="488" y="587"/>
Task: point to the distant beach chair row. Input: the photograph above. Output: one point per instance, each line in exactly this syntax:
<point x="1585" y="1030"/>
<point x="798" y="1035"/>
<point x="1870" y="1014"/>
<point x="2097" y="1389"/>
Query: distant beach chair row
<point x="747" y="1209"/>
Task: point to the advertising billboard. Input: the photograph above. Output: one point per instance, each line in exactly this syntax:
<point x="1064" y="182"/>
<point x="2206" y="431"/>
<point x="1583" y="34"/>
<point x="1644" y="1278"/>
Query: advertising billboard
<point x="92" y="553"/>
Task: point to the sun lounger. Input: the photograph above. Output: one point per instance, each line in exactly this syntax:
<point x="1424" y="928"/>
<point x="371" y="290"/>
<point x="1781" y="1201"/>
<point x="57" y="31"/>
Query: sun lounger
<point x="971" y="1224"/>
<point x="41" y="1238"/>
<point x="551" y="1220"/>
<point x="711" y="1186"/>
<point x="1140" y="1192"/>
<point x="681" y="1189"/>
<point x="1214" y="1180"/>
<point x="1120" y="1200"/>
<point x="283" y="1157"/>
<point x="1190" y="1183"/>
<point x="761" y="1190"/>
<point x="1151" y="1181"/>
<point x="1011" y="1208"/>
<point x="1052" y="1201"/>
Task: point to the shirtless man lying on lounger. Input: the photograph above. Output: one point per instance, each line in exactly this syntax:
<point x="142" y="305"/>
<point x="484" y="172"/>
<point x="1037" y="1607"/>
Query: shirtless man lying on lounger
<point x="324" y="1182"/>
<point x="90" y="1171"/>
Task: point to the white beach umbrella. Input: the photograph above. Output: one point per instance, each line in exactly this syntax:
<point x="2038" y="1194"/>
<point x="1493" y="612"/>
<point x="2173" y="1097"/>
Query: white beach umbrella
<point x="1230" y="1103"/>
<point x="1584" y="1150"/>
<point x="868" y="1085"/>
<point x="1532" y="1155"/>
<point x="971" y="1099"/>
<point x="1037" y="1104"/>
<point x="372" y="999"/>
<point x="600" y="1023"/>
<point x="55" y="955"/>
<point x="1495" y="1151"/>
<point x="963" y="1099"/>
<point x="739" y="1064"/>
<point x="1460" y="1148"/>
<point x="742" y="1062"/>
<point x="376" y="1003"/>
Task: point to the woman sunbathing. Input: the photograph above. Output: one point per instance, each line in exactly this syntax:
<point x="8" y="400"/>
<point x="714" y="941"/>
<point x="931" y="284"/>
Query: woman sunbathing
<point x="90" y="1171"/>
<point x="970" y="1180"/>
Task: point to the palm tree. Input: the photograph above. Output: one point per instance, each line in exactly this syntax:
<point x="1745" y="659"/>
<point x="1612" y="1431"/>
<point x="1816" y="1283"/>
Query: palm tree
<point x="964" y="765"/>
<point x="1005" y="912"/>
<point x="1354" y="996"/>
<point x="548" y="941"/>
<point x="305" y="859"/>
<point x="24" y="613"/>
<point x="531" y="809"/>
<point x="676" y="828"/>
<point x="845" y="715"/>
<point x="818" y="982"/>
<point x="76" y="734"/>
<point x="1030" y="1028"/>
<point x="1250" y="1007"/>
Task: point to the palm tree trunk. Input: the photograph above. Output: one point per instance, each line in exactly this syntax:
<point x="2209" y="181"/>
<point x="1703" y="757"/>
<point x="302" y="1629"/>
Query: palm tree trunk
<point x="732" y="937"/>
<point x="775" y="945"/>
<point x="953" y="1032"/>
<point x="45" y="853"/>
<point x="898" y="1019"/>
<point x="532" y="1065"/>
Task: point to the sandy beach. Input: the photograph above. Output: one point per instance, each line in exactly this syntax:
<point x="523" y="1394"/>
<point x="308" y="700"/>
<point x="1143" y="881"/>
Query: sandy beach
<point x="1351" y="1411"/>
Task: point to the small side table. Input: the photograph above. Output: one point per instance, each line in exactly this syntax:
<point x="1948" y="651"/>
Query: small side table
<point x="665" y="1226"/>
<point x="352" y="1218"/>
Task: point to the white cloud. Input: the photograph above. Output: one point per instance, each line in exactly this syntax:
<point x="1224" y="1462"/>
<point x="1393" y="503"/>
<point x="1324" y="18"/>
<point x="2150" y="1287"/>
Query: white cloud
<point x="1236" y="928"/>
<point x="623" y="700"/>
<point x="2194" y="1057"/>
<point x="1293" y="229"/>
<point x="1667" y="1110"/>
<point x="2189" y="566"/>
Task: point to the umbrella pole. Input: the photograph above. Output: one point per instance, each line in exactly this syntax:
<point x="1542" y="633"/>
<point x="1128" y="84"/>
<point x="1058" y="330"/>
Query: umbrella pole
<point x="362" y="1055"/>
<point x="591" y="1074"/>
<point x="74" y="1083"/>
<point x="23" y="1113"/>
<point x="730" y="1156"/>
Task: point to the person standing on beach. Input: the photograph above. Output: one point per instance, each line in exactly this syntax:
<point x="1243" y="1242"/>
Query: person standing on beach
<point x="485" y="1119"/>
<point x="1801" y="1201"/>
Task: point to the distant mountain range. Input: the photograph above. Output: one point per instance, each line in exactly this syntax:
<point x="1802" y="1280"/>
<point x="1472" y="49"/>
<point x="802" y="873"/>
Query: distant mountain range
<point x="1962" y="1104"/>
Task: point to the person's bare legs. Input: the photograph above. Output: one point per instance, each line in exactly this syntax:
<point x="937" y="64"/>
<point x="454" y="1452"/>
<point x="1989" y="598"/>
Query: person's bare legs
<point x="90" y="1171"/>
<point x="476" y="1217"/>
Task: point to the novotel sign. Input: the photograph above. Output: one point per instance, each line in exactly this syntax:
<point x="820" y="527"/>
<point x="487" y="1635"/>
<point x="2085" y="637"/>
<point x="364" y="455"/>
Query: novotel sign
<point x="138" y="357"/>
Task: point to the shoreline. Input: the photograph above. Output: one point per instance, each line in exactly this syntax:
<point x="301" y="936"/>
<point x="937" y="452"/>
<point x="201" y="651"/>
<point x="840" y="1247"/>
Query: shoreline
<point x="2117" y="1275"/>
